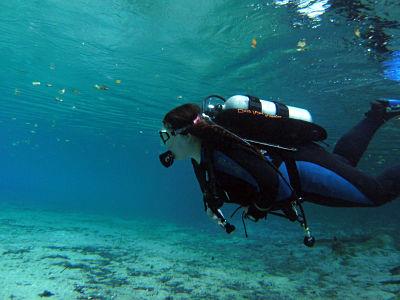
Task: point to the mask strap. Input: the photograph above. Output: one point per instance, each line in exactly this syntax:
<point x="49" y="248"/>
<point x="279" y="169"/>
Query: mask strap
<point x="183" y="129"/>
<point x="197" y="120"/>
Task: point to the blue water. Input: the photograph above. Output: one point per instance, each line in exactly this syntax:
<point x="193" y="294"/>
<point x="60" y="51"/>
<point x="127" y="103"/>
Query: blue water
<point x="69" y="145"/>
<point x="84" y="85"/>
<point x="88" y="146"/>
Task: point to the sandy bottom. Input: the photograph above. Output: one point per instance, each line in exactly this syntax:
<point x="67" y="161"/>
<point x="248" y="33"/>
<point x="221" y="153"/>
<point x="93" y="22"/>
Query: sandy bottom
<point x="80" y="256"/>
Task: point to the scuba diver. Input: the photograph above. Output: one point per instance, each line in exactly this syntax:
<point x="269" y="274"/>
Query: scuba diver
<point x="265" y="156"/>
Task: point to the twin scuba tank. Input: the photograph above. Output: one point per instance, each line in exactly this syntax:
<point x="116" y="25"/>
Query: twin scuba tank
<point x="263" y="122"/>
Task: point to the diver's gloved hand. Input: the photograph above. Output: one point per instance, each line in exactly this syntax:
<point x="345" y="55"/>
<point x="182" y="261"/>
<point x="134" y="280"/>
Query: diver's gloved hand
<point x="229" y="228"/>
<point x="254" y="214"/>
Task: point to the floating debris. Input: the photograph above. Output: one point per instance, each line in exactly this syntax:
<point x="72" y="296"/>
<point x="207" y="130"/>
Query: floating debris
<point x="118" y="81"/>
<point x="59" y="99"/>
<point x="101" y="87"/>
<point x="76" y="91"/>
<point x="36" y="83"/>
<point x="253" y="43"/>
<point x="179" y="97"/>
<point x="49" y="85"/>
<point x="17" y="92"/>
<point x="52" y="66"/>
<point x="357" y="32"/>
<point x="301" y="45"/>
<point x="61" y="92"/>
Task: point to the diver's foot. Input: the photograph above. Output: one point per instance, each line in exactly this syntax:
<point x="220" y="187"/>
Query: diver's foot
<point x="384" y="109"/>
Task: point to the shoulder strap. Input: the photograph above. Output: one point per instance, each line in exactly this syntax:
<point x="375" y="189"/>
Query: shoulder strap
<point x="205" y="175"/>
<point x="201" y="178"/>
<point x="200" y="174"/>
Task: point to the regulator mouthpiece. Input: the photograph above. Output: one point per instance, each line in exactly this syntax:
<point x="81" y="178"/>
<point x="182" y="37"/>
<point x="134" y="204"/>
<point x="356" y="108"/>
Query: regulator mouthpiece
<point x="167" y="159"/>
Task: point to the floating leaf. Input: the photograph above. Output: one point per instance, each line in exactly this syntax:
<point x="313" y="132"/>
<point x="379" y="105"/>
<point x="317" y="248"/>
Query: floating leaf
<point x="357" y="32"/>
<point x="254" y="43"/>
<point x="301" y="45"/>
<point x="101" y="87"/>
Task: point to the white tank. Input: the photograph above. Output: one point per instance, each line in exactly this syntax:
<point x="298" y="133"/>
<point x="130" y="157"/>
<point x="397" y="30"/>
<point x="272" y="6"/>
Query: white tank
<point x="268" y="107"/>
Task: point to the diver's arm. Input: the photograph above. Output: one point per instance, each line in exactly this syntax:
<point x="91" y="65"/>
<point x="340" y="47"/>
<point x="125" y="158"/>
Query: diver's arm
<point x="260" y="183"/>
<point x="212" y="200"/>
<point x="217" y="216"/>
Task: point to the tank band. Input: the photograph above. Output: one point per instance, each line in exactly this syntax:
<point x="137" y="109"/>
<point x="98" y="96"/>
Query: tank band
<point x="281" y="110"/>
<point x="254" y="103"/>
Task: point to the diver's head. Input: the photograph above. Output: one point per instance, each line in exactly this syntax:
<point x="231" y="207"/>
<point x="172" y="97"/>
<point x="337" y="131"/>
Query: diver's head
<point x="176" y="134"/>
<point x="181" y="116"/>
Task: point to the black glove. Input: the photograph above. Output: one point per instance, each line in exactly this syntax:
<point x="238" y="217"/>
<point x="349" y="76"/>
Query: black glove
<point x="255" y="214"/>
<point x="229" y="228"/>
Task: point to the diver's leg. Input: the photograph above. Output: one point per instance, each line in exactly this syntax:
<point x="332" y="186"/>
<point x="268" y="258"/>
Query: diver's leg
<point x="353" y="144"/>
<point x="357" y="189"/>
<point x="324" y="181"/>
<point x="390" y="182"/>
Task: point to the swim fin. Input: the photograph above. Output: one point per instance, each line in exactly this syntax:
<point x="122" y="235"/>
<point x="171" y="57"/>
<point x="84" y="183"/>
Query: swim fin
<point x="385" y="109"/>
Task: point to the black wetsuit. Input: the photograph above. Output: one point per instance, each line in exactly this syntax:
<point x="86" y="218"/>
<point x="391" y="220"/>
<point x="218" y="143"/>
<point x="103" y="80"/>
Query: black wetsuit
<point x="330" y="179"/>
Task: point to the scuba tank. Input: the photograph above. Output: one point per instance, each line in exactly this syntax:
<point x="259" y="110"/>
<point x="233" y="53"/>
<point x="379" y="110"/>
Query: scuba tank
<point x="264" y="122"/>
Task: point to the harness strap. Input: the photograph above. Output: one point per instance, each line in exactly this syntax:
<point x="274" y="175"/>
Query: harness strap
<point x="210" y="180"/>
<point x="205" y="176"/>
<point x="294" y="176"/>
<point x="289" y="209"/>
<point x="276" y="160"/>
<point x="201" y="178"/>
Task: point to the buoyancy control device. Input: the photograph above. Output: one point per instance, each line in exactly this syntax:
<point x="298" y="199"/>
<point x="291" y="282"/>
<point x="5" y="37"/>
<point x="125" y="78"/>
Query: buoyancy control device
<point x="261" y="121"/>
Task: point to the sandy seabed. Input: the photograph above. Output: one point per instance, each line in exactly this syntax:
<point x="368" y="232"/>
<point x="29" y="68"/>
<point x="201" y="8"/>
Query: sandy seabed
<point x="55" y="255"/>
